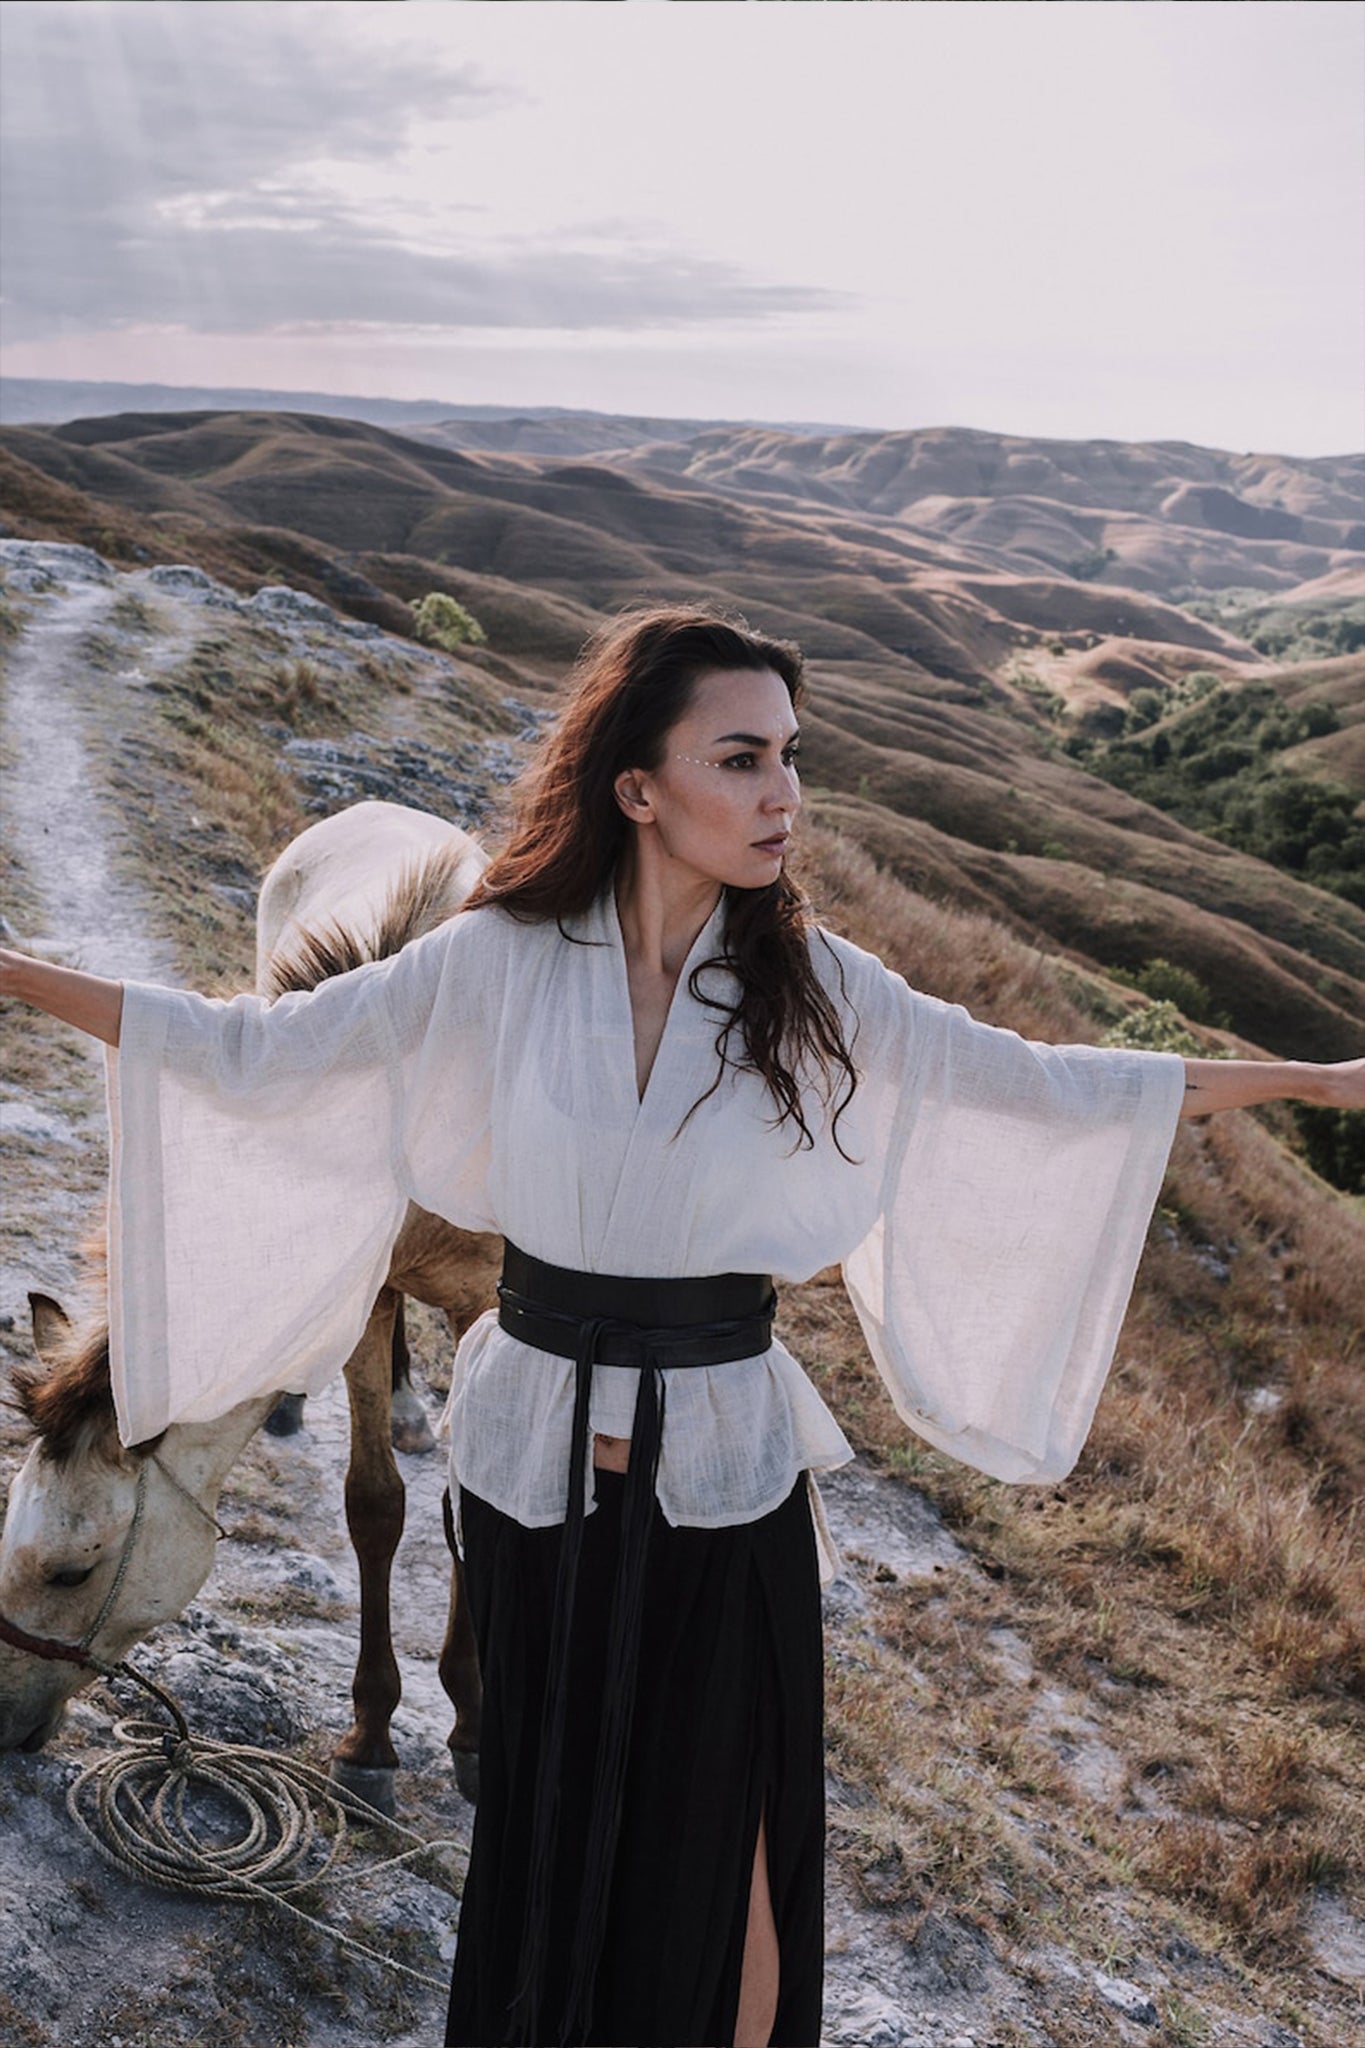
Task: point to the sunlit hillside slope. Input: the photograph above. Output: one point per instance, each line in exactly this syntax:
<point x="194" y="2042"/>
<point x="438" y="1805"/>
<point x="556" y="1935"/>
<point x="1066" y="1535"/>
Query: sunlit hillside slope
<point x="1162" y="516"/>
<point x="948" y="673"/>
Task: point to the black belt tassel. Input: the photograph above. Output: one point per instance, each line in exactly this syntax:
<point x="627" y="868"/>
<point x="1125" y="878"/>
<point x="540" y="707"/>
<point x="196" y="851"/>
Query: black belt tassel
<point x="545" y="1306"/>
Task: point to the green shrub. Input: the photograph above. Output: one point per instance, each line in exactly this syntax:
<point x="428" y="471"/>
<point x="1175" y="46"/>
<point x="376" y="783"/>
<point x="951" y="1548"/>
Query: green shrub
<point x="1215" y="763"/>
<point x="1295" y="632"/>
<point x="1144" y="709"/>
<point x="1158" y="1028"/>
<point x="442" y="621"/>
<point x="1165" y="982"/>
<point x="1334" y="1144"/>
<point x="1089" y="567"/>
<point x="1286" y="632"/>
<point x="1038" y="692"/>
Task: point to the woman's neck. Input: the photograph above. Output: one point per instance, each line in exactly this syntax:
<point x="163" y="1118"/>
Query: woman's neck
<point x="661" y="913"/>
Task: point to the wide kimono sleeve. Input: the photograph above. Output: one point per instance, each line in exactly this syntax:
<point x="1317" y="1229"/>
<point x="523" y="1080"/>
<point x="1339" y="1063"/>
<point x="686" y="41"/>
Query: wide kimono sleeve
<point x="1017" y="1181"/>
<point x="259" y="1170"/>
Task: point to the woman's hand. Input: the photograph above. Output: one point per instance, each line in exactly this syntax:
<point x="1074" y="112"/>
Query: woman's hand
<point x="1237" y="1084"/>
<point x="86" y="1000"/>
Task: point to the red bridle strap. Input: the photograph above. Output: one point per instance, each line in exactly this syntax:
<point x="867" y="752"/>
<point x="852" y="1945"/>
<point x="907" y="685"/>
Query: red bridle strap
<point x="48" y="1648"/>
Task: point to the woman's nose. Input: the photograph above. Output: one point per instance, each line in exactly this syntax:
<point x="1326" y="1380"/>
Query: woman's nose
<point x="784" y="789"/>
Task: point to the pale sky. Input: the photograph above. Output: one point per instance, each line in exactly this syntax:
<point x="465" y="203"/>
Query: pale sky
<point x="1127" y="218"/>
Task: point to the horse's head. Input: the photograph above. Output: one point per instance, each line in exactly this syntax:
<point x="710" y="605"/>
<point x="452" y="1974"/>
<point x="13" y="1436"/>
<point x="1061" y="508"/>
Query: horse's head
<point x="100" y="1543"/>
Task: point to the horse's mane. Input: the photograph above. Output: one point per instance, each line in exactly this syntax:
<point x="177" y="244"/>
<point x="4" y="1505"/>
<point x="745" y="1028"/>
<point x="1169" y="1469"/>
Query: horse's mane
<point x="423" y="897"/>
<point x="70" y="1404"/>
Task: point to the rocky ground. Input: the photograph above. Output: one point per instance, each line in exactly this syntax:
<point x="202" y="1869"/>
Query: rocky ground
<point x="264" y="1654"/>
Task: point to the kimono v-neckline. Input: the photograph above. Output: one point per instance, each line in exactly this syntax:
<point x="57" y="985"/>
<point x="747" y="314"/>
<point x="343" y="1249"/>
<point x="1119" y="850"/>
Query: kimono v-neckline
<point x="647" y="1121"/>
<point x="707" y="942"/>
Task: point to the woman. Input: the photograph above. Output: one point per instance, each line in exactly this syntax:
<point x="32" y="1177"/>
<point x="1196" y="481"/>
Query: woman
<point x="634" y="1056"/>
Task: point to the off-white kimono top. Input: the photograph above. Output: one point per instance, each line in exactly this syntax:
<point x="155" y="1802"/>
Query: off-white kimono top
<point x="989" y="1218"/>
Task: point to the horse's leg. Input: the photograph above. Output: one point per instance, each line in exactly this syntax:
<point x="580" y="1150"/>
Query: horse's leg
<point x="365" y="1760"/>
<point x="409" y="1422"/>
<point x="459" y="1670"/>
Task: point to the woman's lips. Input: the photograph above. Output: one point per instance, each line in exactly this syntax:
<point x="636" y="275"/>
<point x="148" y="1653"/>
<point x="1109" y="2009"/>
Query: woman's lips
<point x="777" y="844"/>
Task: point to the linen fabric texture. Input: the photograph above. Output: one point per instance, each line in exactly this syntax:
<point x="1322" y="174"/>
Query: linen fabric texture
<point x="989" y="1214"/>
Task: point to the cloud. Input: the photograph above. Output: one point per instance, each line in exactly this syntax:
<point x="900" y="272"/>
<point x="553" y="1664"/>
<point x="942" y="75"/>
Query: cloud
<point x="177" y="166"/>
<point x="333" y="272"/>
<point x="127" y="102"/>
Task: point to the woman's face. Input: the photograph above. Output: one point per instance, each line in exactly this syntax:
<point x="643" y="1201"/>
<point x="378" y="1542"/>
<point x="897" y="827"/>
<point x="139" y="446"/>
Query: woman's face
<point x="721" y="804"/>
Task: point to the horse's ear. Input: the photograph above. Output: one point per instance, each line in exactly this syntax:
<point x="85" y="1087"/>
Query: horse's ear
<point x="51" y="1326"/>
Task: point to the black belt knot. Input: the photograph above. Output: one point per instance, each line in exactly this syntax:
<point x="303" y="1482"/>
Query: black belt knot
<point x="654" y="1327"/>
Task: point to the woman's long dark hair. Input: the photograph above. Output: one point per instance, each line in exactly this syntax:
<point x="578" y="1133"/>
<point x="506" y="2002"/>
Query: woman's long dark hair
<point x="630" y="686"/>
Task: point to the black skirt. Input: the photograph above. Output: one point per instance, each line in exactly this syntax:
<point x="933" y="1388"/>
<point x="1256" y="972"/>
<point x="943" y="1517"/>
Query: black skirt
<point x="727" y="1731"/>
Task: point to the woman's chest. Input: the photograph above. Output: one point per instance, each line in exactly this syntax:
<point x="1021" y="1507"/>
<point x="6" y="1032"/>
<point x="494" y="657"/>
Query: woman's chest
<point x="695" y="1175"/>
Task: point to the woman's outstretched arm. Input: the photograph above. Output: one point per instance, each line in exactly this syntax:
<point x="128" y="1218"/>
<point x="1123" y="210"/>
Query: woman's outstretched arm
<point x="86" y="1000"/>
<point x="1238" y="1084"/>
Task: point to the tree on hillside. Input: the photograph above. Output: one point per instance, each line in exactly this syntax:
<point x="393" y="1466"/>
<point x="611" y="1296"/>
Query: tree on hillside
<point x="442" y="621"/>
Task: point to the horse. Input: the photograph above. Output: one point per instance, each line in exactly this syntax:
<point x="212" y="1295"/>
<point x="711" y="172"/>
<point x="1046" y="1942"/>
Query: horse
<point x="101" y="1541"/>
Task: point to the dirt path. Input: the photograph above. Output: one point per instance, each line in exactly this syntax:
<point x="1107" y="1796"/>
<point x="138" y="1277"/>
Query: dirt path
<point x="58" y="718"/>
<point x="59" y="715"/>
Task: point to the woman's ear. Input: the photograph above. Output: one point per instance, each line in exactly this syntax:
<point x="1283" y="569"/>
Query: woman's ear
<point x="630" y="795"/>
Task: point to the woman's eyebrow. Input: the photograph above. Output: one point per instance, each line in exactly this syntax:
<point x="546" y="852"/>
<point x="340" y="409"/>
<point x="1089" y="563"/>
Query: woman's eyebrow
<point x="754" y="739"/>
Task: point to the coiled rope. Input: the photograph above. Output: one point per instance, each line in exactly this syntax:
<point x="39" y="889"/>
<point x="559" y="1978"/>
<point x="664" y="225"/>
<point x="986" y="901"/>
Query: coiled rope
<point x="137" y="1806"/>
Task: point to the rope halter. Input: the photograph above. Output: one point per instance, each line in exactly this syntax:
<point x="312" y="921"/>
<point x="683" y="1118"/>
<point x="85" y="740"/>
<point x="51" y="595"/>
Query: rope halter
<point x="53" y="1651"/>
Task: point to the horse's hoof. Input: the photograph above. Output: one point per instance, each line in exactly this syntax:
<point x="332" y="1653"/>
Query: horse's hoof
<point x="376" y="1788"/>
<point x="466" y="1762"/>
<point x="286" y="1417"/>
<point x="413" y="1436"/>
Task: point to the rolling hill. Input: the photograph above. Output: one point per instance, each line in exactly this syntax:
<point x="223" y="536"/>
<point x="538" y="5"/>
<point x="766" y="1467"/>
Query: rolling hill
<point x="1160" y="516"/>
<point x="952" y="663"/>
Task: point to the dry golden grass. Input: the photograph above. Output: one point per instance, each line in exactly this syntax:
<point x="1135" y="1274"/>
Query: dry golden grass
<point x="241" y="787"/>
<point x="208" y="799"/>
<point x="209" y="794"/>
<point x="1198" y="1582"/>
<point x="962" y="956"/>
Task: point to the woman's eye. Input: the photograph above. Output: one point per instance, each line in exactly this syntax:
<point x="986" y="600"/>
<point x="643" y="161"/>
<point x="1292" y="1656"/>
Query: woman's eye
<point x="791" y="757"/>
<point x="738" y="761"/>
<point x="71" y="1575"/>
